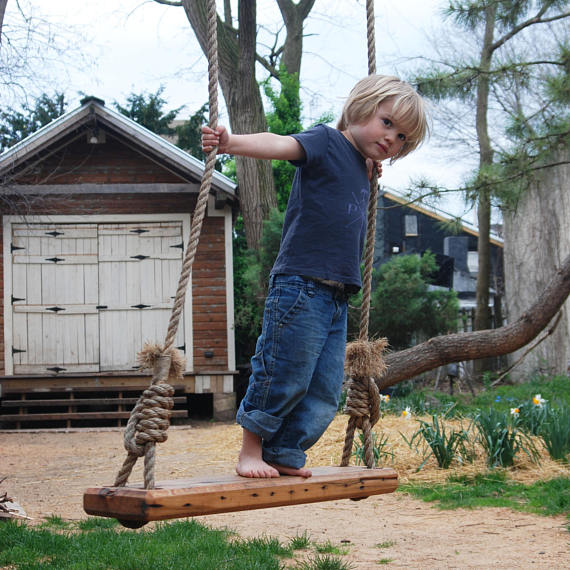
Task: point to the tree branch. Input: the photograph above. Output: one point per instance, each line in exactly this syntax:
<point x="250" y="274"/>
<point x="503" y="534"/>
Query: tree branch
<point x="480" y="344"/>
<point x="530" y="22"/>
<point x="169" y="3"/>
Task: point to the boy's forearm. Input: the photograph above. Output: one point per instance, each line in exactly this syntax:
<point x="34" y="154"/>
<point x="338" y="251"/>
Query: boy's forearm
<point x="265" y="145"/>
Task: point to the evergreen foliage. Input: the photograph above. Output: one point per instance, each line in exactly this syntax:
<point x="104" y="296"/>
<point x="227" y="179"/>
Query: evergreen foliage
<point x="16" y="125"/>
<point x="529" y="90"/>
<point x="147" y="110"/>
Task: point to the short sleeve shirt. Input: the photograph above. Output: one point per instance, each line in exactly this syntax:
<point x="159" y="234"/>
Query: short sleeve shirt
<point x="325" y="222"/>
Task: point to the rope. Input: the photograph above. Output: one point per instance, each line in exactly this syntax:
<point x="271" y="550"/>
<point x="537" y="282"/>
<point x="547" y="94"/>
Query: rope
<point x="150" y="418"/>
<point x="363" y="397"/>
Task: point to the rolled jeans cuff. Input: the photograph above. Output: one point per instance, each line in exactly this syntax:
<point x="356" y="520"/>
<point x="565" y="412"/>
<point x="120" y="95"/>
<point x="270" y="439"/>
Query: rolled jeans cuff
<point x="258" y="422"/>
<point x="294" y="458"/>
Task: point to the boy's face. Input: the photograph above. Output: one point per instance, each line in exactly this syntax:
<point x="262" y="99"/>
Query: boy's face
<point x="379" y="137"/>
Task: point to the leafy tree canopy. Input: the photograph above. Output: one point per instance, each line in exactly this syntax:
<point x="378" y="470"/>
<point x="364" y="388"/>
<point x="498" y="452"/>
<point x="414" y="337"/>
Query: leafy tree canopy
<point x="403" y="308"/>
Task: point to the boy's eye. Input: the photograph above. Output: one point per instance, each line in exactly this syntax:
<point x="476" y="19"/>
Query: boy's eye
<point x="402" y="137"/>
<point x="387" y="122"/>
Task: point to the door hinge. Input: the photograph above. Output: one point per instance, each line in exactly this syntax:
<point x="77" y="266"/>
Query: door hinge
<point x="13" y="247"/>
<point x="16" y="299"/>
<point x="179" y="245"/>
<point x="54" y="259"/>
<point x="55" y="309"/>
<point x="55" y="233"/>
<point x="140" y="306"/>
<point x="56" y="369"/>
<point x="17" y="350"/>
<point x="139" y="257"/>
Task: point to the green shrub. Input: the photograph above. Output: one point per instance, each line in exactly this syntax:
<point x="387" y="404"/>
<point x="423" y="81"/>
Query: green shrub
<point x="502" y="439"/>
<point x="555" y="432"/>
<point x="444" y="445"/>
<point x="379" y="448"/>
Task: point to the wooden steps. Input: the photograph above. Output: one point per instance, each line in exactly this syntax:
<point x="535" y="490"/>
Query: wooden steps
<point x="134" y="506"/>
<point x="76" y="407"/>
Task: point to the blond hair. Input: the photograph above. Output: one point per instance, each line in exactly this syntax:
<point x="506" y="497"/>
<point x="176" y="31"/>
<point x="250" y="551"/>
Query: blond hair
<point x="409" y="109"/>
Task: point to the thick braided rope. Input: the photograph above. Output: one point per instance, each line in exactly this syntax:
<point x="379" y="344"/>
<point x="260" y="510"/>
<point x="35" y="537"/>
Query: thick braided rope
<point x="363" y="398"/>
<point x="150" y="418"/>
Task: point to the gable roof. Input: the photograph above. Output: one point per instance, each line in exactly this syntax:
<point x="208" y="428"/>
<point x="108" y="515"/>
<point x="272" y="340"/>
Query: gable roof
<point x="93" y="112"/>
<point x="439" y="215"/>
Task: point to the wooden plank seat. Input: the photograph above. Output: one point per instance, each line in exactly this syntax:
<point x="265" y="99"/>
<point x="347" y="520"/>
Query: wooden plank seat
<point x="134" y="506"/>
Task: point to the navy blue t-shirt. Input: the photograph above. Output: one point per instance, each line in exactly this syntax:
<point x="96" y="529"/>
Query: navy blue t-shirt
<point x="325" y="223"/>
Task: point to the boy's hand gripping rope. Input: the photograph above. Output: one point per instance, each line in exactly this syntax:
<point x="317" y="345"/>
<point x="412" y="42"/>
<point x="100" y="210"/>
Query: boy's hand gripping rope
<point x="150" y="417"/>
<point x="363" y="358"/>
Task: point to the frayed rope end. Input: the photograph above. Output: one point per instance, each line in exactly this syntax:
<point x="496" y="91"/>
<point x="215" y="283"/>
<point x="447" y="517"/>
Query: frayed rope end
<point x="150" y="353"/>
<point x="364" y="359"/>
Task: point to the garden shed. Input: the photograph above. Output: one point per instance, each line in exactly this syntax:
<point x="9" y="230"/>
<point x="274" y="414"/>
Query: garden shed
<point x="96" y="213"/>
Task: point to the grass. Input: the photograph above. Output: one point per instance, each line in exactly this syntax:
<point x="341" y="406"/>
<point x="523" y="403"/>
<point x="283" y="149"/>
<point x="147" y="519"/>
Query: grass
<point x="174" y="545"/>
<point x="493" y="489"/>
<point x="56" y="543"/>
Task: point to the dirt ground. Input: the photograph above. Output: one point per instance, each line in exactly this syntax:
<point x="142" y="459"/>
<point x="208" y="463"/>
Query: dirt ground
<point x="46" y="473"/>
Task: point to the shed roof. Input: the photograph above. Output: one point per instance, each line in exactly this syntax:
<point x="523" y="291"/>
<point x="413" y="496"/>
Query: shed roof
<point x="93" y="112"/>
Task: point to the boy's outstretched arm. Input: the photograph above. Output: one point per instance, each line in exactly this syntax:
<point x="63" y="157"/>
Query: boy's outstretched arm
<point x="257" y="145"/>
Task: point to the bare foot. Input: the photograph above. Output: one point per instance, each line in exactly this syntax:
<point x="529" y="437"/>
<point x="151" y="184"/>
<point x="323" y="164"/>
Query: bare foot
<point x="253" y="467"/>
<point x="302" y="472"/>
<point x="250" y="463"/>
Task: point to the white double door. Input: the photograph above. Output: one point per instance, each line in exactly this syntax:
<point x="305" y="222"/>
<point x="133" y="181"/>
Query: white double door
<point x="86" y="297"/>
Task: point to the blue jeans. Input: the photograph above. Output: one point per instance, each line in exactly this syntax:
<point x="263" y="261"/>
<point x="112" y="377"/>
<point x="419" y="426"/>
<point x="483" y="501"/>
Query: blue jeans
<point x="298" y="368"/>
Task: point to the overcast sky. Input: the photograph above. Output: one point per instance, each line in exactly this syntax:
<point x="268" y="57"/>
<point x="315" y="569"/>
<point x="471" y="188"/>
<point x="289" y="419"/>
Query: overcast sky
<point x="136" y="46"/>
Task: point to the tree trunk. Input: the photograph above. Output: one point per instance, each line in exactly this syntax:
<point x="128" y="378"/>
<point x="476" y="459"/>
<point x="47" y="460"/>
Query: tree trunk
<point x="442" y="350"/>
<point x="2" y="12"/>
<point x="236" y="55"/>
<point x="485" y="160"/>
<point x="536" y="239"/>
<point x="484" y="198"/>
<point x="294" y="15"/>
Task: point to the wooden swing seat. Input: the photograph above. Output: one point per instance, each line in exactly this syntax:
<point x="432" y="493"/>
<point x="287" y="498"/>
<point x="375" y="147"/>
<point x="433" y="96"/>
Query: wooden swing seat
<point x="134" y="506"/>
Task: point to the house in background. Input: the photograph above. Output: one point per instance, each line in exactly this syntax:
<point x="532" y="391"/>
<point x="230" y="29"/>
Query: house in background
<point x="96" y="213"/>
<point x="405" y="228"/>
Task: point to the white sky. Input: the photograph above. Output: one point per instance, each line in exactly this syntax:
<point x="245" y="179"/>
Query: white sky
<point x="138" y="45"/>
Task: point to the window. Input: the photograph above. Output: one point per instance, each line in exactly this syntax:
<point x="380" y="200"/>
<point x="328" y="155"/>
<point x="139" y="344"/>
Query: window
<point x="410" y="225"/>
<point x="473" y="261"/>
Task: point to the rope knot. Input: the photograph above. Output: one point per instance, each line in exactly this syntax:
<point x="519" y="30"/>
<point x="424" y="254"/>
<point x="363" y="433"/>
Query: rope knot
<point x="150" y="418"/>
<point x="363" y="401"/>
<point x="364" y="361"/>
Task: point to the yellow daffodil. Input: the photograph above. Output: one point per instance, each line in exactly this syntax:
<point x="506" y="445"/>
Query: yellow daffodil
<point x="407" y="413"/>
<point x="515" y="412"/>
<point x="538" y="400"/>
<point x="385" y="398"/>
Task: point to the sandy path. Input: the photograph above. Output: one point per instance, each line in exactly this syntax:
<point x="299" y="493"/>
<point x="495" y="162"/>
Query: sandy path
<point x="47" y="473"/>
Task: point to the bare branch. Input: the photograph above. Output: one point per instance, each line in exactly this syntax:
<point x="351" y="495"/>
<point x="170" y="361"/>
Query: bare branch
<point x="530" y="22"/>
<point x="169" y="3"/>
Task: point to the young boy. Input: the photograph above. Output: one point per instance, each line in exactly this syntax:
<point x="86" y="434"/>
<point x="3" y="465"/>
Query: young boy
<point x="298" y="367"/>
